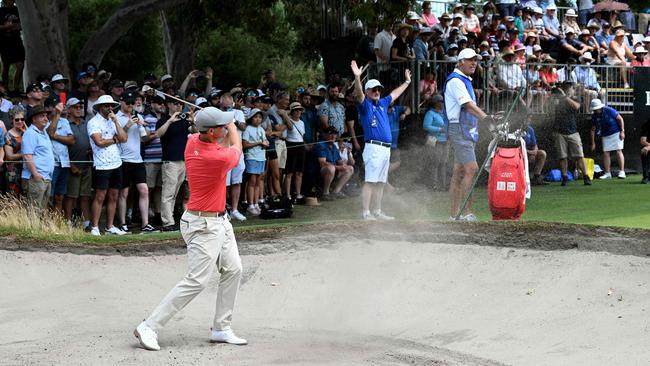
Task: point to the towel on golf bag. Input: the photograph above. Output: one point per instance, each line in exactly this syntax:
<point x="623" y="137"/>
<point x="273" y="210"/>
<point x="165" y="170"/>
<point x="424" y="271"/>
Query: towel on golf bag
<point x="276" y="208"/>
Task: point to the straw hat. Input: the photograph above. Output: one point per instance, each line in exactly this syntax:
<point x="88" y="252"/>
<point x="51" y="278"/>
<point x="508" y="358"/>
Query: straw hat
<point x="312" y="201"/>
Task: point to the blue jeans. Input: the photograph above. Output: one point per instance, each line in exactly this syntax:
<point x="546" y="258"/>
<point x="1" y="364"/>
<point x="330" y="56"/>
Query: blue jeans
<point x="584" y="15"/>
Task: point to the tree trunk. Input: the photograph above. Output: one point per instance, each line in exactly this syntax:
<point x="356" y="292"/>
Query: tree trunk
<point x="45" y="36"/>
<point x="118" y="24"/>
<point x="180" y="35"/>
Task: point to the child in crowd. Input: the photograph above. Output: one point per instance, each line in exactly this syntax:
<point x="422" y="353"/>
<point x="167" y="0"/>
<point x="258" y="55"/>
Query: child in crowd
<point x="345" y="150"/>
<point x="254" y="142"/>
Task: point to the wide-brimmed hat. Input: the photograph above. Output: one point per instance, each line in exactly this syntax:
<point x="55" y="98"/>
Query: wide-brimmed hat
<point x="537" y="48"/>
<point x="404" y="25"/>
<point x="445" y="16"/>
<point x="596" y="104"/>
<point x="586" y="57"/>
<point x="538" y="10"/>
<point x="59" y="77"/>
<point x="585" y="32"/>
<point x="413" y="15"/>
<point x="571" y="13"/>
<point x="593" y="24"/>
<point x="520" y="47"/>
<point x="507" y="51"/>
<point x="35" y="111"/>
<point x="296" y="106"/>
<point x="253" y="112"/>
<point x="640" y="49"/>
<point x="312" y="201"/>
<point x="104" y="99"/>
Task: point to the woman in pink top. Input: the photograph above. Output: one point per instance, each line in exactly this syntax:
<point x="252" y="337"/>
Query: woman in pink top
<point x="617" y="52"/>
<point x="428" y="18"/>
<point x="470" y="20"/>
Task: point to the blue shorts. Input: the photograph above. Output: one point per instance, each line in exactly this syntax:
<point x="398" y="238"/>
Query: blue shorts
<point x="236" y="174"/>
<point x="59" y="181"/>
<point x="463" y="148"/>
<point x="255" y="167"/>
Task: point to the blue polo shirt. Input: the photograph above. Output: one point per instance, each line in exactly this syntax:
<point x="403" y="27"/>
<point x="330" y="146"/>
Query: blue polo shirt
<point x="369" y="111"/>
<point x="37" y="143"/>
<point x="606" y="121"/>
<point x="327" y="151"/>
<point x="531" y="139"/>
<point x="393" y="118"/>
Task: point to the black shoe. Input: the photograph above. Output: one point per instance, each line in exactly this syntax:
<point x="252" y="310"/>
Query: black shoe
<point x="148" y="229"/>
<point x="328" y="197"/>
<point x="170" y="228"/>
<point x="538" y="181"/>
<point x="565" y="179"/>
<point x="587" y="182"/>
<point x="124" y="228"/>
<point x="156" y="220"/>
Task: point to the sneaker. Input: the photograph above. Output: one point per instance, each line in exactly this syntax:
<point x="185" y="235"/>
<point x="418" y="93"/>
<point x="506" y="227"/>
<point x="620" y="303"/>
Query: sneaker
<point x="328" y="197"/>
<point x="539" y="181"/>
<point x="226" y="336"/>
<point x="147" y="337"/>
<point x="379" y="215"/>
<point x="170" y="228"/>
<point x="148" y="229"/>
<point x="452" y="218"/>
<point x="469" y="217"/>
<point x="238" y="215"/>
<point x="621" y="174"/>
<point x="114" y="231"/>
<point x="253" y="210"/>
<point x="95" y="231"/>
<point x="124" y="228"/>
<point x="368" y="216"/>
<point x="340" y="195"/>
<point x="607" y="175"/>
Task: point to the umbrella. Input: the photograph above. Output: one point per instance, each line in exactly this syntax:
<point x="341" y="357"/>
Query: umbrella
<point x="610" y="5"/>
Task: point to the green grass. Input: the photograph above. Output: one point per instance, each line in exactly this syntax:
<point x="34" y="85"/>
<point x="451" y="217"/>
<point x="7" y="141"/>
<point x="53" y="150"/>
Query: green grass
<point x="620" y="203"/>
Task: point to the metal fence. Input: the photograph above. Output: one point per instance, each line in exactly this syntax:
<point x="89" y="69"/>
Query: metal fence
<point x="497" y="83"/>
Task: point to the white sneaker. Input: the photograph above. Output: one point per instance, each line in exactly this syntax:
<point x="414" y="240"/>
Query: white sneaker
<point x="147" y="337"/>
<point x="468" y="217"/>
<point x="607" y="175"/>
<point x="114" y="231"/>
<point x="621" y="174"/>
<point x="368" y="216"/>
<point x="452" y="218"/>
<point x="95" y="231"/>
<point x="382" y="216"/>
<point x="238" y="215"/>
<point x="226" y="336"/>
<point x="252" y="210"/>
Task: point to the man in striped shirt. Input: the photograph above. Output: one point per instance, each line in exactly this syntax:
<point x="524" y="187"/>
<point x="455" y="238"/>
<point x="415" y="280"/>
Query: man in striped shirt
<point x="153" y="158"/>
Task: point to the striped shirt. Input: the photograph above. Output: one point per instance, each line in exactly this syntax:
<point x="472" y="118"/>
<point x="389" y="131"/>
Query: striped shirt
<point x="152" y="150"/>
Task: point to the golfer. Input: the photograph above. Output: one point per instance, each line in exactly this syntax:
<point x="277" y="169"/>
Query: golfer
<point x="373" y="114"/>
<point x="206" y="229"/>
<point x="461" y="117"/>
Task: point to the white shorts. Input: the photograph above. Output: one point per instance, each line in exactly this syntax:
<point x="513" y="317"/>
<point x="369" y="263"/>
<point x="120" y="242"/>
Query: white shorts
<point x="612" y="142"/>
<point x="376" y="159"/>
<point x="281" y="150"/>
<point x="236" y="174"/>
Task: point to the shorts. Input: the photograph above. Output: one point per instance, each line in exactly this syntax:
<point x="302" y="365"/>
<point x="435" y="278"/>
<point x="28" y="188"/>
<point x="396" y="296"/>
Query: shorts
<point x="271" y="154"/>
<point x="154" y="174"/>
<point x="80" y="185"/>
<point x="105" y="179"/>
<point x="612" y="142"/>
<point x="377" y="161"/>
<point x="295" y="157"/>
<point x="59" y="181"/>
<point x="12" y="51"/>
<point x="568" y="146"/>
<point x="236" y="174"/>
<point x="135" y="173"/>
<point x="255" y="167"/>
<point x="463" y="148"/>
<point x="281" y="150"/>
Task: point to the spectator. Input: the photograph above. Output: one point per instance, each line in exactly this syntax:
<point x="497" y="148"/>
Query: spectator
<point x="470" y="20"/>
<point x="115" y="89"/>
<point x="509" y="74"/>
<point x="332" y="111"/>
<point x="645" y="148"/>
<point x="12" y="151"/>
<point x="434" y="125"/>
<point x="332" y="166"/>
<point x="81" y="93"/>
<point x="62" y="137"/>
<point x="529" y="42"/>
<point x="617" y="53"/>
<point x="60" y="88"/>
<point x="365" y="47"/>
<point x="273" y="133"/>
<point x="569" y="22"/>
<point x="254" y="142"/>
<point x="428" y="85"/>
<point x="402" y="49"/>
<point x="536" y="155"/>
<point x="295" y="151"/>
<point x="604" y="37"/>
<point x="172" y="129"/>
<point x="506" y="7"/>
<point x="565" y="128"/>
<point x="420" y="45"/>
<point x="547" y="73"/>
<point x="167" y="83"/>
<point x="396" y="116"/>
<point x="153" y="158"/>
<point x="519" y="22"/>
<point x="444" y="27"/>
<point x="640" y="59"/>
<point x="12" y="51"/>
<point x="309" y="117"/>
<point x="105" y="134"/>
<point x="611" y="126"/>
<point x="80" y="177"/>
<point x="133" y="168"/>
<point x="585" y="76"/>
<point x="34" y="98"/>
<point x="591" y="43"/>
<point x="551" y="24"/>
<point x="36" y="149"/>
<point x="585" y="9"/>
<point x="235" y="176"/>
<point x="570" y="47"/>
<point x="520" y="56"/>
<point x="382" y="45"/>
<point x="428" y="17"/>
<point x="277" y="116"/>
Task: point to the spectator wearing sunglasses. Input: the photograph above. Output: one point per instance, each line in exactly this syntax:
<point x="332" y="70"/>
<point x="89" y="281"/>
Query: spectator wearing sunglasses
<point x="34" y="98"/>
<point x="79" y="188"/>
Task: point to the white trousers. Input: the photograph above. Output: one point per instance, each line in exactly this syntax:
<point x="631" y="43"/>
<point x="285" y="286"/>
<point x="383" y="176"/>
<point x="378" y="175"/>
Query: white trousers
<point x="210" y="242"/>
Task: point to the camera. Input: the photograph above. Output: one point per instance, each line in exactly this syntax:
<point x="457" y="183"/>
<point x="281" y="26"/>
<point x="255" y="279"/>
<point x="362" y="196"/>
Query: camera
<point x="182" y="115"/>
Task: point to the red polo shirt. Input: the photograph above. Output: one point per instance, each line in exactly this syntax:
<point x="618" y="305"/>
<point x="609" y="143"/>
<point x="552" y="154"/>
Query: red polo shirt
<point x="206" y="166"/>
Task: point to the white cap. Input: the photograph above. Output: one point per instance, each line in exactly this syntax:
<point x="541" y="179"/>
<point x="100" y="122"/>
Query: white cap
<point x="413" y="15"/>
<point x="72" y="101"/>
<point x="468" y="53"/>
<point x="321" y="86"/>
<point x="640" y="49"/>
<point x="551" y="7"/>
<point x="212" y="117"/>
<point x="58" y="77"/>
<point x="373" y="83"/>
<point x="200" y="100"/>
<point x="165" y="77"/>
<point x="596" y="104"/>
<point x="538" y="10"/>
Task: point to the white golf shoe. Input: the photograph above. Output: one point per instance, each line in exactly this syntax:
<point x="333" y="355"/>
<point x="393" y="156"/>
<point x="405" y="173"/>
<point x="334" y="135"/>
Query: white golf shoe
<point x="147" y="337"/>
<point x="226" y="336"/>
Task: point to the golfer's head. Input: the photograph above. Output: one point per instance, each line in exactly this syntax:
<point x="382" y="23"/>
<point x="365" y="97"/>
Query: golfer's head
<point x="468" y="61"/>
<point x="212" y="121"/>
<point x="373" y="89"/>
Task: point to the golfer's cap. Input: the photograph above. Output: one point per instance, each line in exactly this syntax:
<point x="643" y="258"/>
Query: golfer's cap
<point x="373" y="83"/>
<point x="458" y="15"/>
<point x="165" y="78"/>
<point x="200" y="100"/>
<point x="596" y="104"/>
<point x="510" y="18"/>
<point x="468" y="53"/>
<point x="321" y="86"/>
<point x="437" y="99"/>
<point x="425" y="30"/>
<point x="209" y="117"/>
<point x="484" y="44"/>
<point x="129" y="96"/>
<point x="452" y="46"/>
<point x="116" y="83"/>
<point x="71" y="102"/>
<point x="569" y="31"/>
<point x="551" y="7"/>
<point x="266" y="99"/>
<point x="586" y="57"/>
<point x="58" y="77"/>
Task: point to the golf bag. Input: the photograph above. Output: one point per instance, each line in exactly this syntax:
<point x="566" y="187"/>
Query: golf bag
<point x="276" y="208"/>
<point x="507" y="185"/>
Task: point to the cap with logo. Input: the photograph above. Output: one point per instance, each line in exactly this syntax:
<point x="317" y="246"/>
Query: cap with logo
<point x="210" y="117"/>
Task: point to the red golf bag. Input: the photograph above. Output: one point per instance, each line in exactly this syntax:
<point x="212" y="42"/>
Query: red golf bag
<point x="507" y="183"/>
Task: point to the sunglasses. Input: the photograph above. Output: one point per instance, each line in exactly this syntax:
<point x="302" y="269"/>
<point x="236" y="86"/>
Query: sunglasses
<point x="129" y="103"/>
<point x="76" y="106"/>
<point x="19" y="119"/>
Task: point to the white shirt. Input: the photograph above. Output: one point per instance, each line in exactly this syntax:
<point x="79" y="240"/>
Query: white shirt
<point x="383" y="43"/>
<point x="104" y="158"/>
<point x="510" y="76"/>
<point x="297" y="132"/>
<point x="130" y="150"/>
<point x="5" y="105"/>
<point x="455" y="96"/>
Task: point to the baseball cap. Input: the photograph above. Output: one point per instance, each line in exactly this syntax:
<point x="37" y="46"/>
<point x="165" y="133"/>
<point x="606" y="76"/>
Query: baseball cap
<point x="58" y="77"/>
<point x="117" y="83"/>
<point x="296" y="106"/>
<point x="200" y="100"/>
<point x="330" y="130"/>
<point x="33" y="87"/>
<point x="538" y="10"/>
<point x="82" y="75"/>
<point x="468" y="53"/>
<point x="437" y="99"/>
<point x="165" y="78"/>
<point x="158" y="99"/>
<point x="209" y="117"/>
<point x="266" y="100"/>
<point x="502" y="27"/>
<point x="72" y="101"/>
<point x="253" y="112"/>
<point x="372" y="83"/>
<point x="129" y="96"/>
<point x="130" y="84"/>
<point x="321" y="86"/>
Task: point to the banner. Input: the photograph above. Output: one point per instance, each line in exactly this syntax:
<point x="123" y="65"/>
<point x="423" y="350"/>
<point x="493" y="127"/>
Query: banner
<point x="641" y="115"/>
